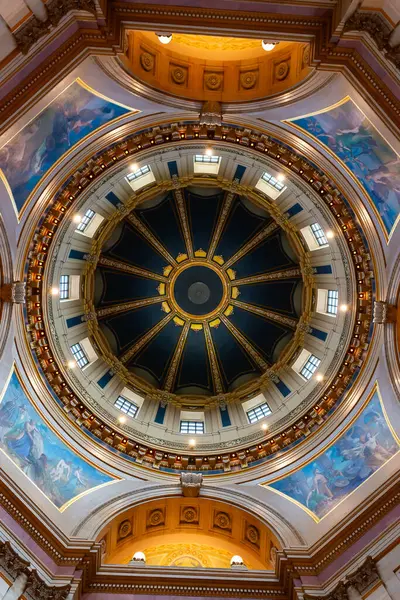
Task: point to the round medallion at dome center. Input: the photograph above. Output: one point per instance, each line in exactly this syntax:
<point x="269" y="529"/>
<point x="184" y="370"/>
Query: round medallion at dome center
<point x="198" y="290"/>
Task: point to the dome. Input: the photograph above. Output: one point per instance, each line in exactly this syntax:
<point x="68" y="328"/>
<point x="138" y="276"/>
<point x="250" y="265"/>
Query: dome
<point x="198" y="298"/>
<point x="197" y="291"/>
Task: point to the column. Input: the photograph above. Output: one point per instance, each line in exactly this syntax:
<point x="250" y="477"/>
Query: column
<point x="353" y="593"/>
<point x="17" y="588"/>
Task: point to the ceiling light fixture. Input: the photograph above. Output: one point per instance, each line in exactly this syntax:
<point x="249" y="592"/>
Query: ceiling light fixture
<point x="280" y="177"/>
<point x="71" y="364"/>
<point x="164" y="38"/>
<point x="122" y="419"/>
<point x="209" y="152"/>
<point x="319" y="377"/>
<point x="268" y="46"/>
<point x="55" y="291"/>
<point x="77" y="218"/>
<point x="134" y="167"/>
<point x="192" y="442"/>
<point x="343" y="307"/>
<point x="264" y="426"/>
<point x="330" y="234"/>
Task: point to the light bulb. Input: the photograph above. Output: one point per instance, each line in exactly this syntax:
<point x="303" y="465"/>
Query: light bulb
<point x="280" y="177"/>
<point x="139" y="557"/>
<point x="209" y="152"/>
<point x="264" y="426"/>
<point x="319" y="377"/>
<point x="343" y="307"/>
<point x="192" y="442"/>
<point x="71" y="364"/>
<point x="122" y="419"/>
<point x="55" y="291"/>
<point x="77" y="218"/>
<point x="268" y="46"/>
<point x="134" y="167"/>
<point x="164" y="38"/>
<point x="237" y="560"/>
<point x="329" y="234"/>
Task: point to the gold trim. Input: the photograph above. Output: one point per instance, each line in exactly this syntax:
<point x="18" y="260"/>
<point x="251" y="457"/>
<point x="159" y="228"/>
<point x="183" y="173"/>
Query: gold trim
<point x="238" y="335"/>
<point x="198" y="263"/>
<point x="180" y="202"/>
<point x="119" y="308"/>
<point x="176" y="359"/>
<point x="212" y="357"/>
<point x="252" y="243"/>
<point x="119" y="265"/>
<point x="266" y="314"/>
<point x="153" y="241"/>
<point x="223" y="215"/>
<point x="137" y="346"/>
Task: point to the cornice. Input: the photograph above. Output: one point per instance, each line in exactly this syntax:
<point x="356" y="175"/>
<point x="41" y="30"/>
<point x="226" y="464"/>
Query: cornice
<point x="290" y="562"/>
<point x="14" y="565"/>
<point x="260" y="143"/>
<point x="109" y="40"/>
<point x="377" y="26"/>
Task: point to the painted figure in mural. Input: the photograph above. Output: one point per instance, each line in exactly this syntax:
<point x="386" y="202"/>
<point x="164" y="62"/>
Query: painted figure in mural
<point x="351" y="136"/>
<point x="36" y="148"/>
<point x="354" y="457"/>
<point x="39" y="453"/>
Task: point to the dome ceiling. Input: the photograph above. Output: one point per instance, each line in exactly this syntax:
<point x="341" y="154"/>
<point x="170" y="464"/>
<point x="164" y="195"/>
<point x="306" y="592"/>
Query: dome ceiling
<point x="198" y="291"/>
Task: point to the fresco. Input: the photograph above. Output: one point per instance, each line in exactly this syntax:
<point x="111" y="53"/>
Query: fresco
<point x="57" y="471"/>
<point x="351" y="136"/>
<point x="75" y="113"/>
<point x="352" y="459"/>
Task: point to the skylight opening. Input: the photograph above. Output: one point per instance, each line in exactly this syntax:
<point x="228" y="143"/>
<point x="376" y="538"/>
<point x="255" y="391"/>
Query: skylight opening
<point x="86" y="220"/>
<point x="79" y="355"/>
<point x="205" y="158"/>
<point x="126" y="407"/>
<point x="64" y="287"/>
<point x="332" y="302"/>
<point x="192" y="427"/>
<point x="258" y="412"/>
<point x="319" y="234"/>
<point x="272" y="181"/>
<point x="139" y="173"/>
<point x="310" y="367"/>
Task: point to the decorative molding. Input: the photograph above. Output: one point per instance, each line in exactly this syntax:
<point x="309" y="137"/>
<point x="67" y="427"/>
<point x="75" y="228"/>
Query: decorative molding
<point x="211" y="113"/>
<point x="363" y="579"/>
<point x="303" y="561"/>
<point x="384" y="313"/>
<point x="234" y="137"/>
<point x="191" y="484"/>
<point x="14" y="292"/>
<point x="379" y="29"/>
<point x="33" y="29"/>
<point x="14" y="565"/>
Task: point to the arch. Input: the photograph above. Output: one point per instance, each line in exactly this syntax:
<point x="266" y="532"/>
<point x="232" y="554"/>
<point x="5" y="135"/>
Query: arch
<point x="91" y="526"/>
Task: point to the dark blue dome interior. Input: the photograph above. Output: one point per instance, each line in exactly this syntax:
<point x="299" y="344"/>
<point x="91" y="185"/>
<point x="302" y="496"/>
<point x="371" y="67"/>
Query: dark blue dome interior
<point x="139" y="328"/>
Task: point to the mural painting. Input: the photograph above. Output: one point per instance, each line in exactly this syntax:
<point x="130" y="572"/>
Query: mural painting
<point x="352" y="137"/>
<point x="75" y="113"/>
<point x="57" y="471"/>
<point x="352" y="459"/>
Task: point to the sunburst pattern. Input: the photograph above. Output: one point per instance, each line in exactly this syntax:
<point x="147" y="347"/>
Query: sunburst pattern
<point x="240" y="306"/>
